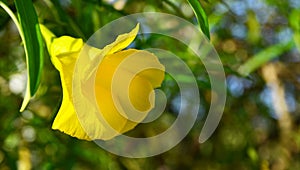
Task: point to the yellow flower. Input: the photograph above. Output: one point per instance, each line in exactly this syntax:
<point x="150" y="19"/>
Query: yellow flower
<point x="111" y="97"/>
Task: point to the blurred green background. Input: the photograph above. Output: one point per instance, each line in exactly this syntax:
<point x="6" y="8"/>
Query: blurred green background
<point x="260" y="127"/>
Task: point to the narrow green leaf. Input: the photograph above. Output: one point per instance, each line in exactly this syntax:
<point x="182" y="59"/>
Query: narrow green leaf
<point x="254" y="30"/>
<point x="296" y="37"/>
<point x="264" y="56"/>
<point x="33" y="44"/>
<point x="68" y="23"/>
<point x="294" y="21"/>
<point x="13" y="17"/>
<point x="201" y="16"/>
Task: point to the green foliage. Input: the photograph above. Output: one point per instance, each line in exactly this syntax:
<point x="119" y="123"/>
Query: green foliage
<point x="247" y="35"/>
<point x="30" y="33"/>
<point x="33" y="42"/>
<point x="264" y="56"/>
<point x="294" y="21"/>
<point x="201" y="17"/>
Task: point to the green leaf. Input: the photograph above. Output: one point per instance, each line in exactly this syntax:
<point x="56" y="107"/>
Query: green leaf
<point x="33" y="44"/>
<point x="67" y="22"/>
<point x="264" y="56"/>
<point x="296" y="38"/>
<point x="201" y="16"/>
<point x="294" y="21"/>
<point x="254" y="30"/>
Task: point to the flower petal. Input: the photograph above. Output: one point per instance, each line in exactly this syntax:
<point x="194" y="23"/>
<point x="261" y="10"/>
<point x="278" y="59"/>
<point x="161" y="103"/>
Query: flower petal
<point x="128" y="77"/>
<point x="64" y="53"/>
<point x="122" y="41"/>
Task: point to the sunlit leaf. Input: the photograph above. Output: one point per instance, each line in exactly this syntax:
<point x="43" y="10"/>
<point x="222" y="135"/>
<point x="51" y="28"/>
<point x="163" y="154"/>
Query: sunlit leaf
<point x="33" y="45"/>
<point x="296" y="37"/>
<point x="201" y="16"/>
<point x="264" y="56"/>
<point x="294" y="21"/>
<point x="254" y="33"/>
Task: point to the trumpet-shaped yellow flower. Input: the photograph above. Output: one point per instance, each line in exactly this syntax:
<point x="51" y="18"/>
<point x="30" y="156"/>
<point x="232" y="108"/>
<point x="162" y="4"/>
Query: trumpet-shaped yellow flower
<point x="124" y="84"/>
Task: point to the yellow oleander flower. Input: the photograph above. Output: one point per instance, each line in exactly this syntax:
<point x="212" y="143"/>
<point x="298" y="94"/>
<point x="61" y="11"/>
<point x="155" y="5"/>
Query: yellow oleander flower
<point x="112" y="98"/>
